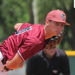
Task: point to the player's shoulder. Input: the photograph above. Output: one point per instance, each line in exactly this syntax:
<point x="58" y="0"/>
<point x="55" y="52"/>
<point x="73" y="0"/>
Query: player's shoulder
<point x="25" y="25"/>
<point x="60" y="52"/>
<point x="35" y="57"/>
<point x="29" y="24"/>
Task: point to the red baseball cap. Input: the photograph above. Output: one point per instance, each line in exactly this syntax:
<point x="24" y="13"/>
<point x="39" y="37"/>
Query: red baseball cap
<point x="57" y="16"/>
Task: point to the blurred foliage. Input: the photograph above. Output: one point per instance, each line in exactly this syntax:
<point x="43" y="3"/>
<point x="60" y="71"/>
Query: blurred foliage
<point x="12" y="11"/>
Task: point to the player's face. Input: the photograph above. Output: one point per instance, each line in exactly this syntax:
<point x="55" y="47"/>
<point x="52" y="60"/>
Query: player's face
<point x="50" y="51"/>
<point x="58" y="26"/>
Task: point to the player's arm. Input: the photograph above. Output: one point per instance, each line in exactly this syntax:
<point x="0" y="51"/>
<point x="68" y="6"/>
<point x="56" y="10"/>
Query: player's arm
<point x="15" y="63"/>
<point x="16" y="26"/>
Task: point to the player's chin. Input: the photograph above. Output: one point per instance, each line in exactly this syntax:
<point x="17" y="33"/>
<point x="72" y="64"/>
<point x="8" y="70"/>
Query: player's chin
<point x="52" y="53"/>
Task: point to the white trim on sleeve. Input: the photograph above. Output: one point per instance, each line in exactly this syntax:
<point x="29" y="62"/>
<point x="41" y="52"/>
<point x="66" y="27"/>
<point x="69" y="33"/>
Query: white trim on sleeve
<point x="20" y="55"/>
<point x="19" y="27"/>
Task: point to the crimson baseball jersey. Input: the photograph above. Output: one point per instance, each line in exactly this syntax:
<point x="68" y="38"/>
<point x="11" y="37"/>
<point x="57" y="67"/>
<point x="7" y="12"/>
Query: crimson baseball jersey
<point x="26" y="41"/>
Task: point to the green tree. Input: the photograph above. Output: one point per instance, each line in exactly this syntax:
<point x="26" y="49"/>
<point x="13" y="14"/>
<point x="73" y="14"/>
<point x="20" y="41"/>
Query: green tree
<point x="72" y="21"/>
<point x="13" y="11"/>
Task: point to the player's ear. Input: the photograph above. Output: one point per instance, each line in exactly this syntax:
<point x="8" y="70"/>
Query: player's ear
<point x="46" y="22"/>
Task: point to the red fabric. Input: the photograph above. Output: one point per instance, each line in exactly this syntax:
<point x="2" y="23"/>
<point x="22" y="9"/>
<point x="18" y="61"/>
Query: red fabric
<point x="28" y="43"/>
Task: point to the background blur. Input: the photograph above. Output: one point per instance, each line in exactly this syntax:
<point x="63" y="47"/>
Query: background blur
<point x="35" y="11"/>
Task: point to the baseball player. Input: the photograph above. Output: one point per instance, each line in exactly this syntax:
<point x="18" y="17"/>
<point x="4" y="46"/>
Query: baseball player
<point x="30" y="39"/>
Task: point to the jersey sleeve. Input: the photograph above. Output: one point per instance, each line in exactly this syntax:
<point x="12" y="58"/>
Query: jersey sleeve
<point x="29" y="47"/>
<point x="65" y="65"/>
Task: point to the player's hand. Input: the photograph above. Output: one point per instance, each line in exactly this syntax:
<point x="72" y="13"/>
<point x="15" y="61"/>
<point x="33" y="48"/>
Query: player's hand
<point x="1" y="66"/>
<point x="6" y="68"/>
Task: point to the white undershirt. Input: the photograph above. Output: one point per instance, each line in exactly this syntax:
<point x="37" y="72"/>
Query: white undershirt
<point x="1" y="56"/>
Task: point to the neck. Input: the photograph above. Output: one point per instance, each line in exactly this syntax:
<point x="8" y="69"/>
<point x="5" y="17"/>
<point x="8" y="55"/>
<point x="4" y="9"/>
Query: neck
<point x="47" y="32"/>
<point x="47" y="55"/>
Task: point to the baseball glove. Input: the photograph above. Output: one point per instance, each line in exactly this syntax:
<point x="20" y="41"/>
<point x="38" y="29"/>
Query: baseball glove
<point x="55" y="40"/>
